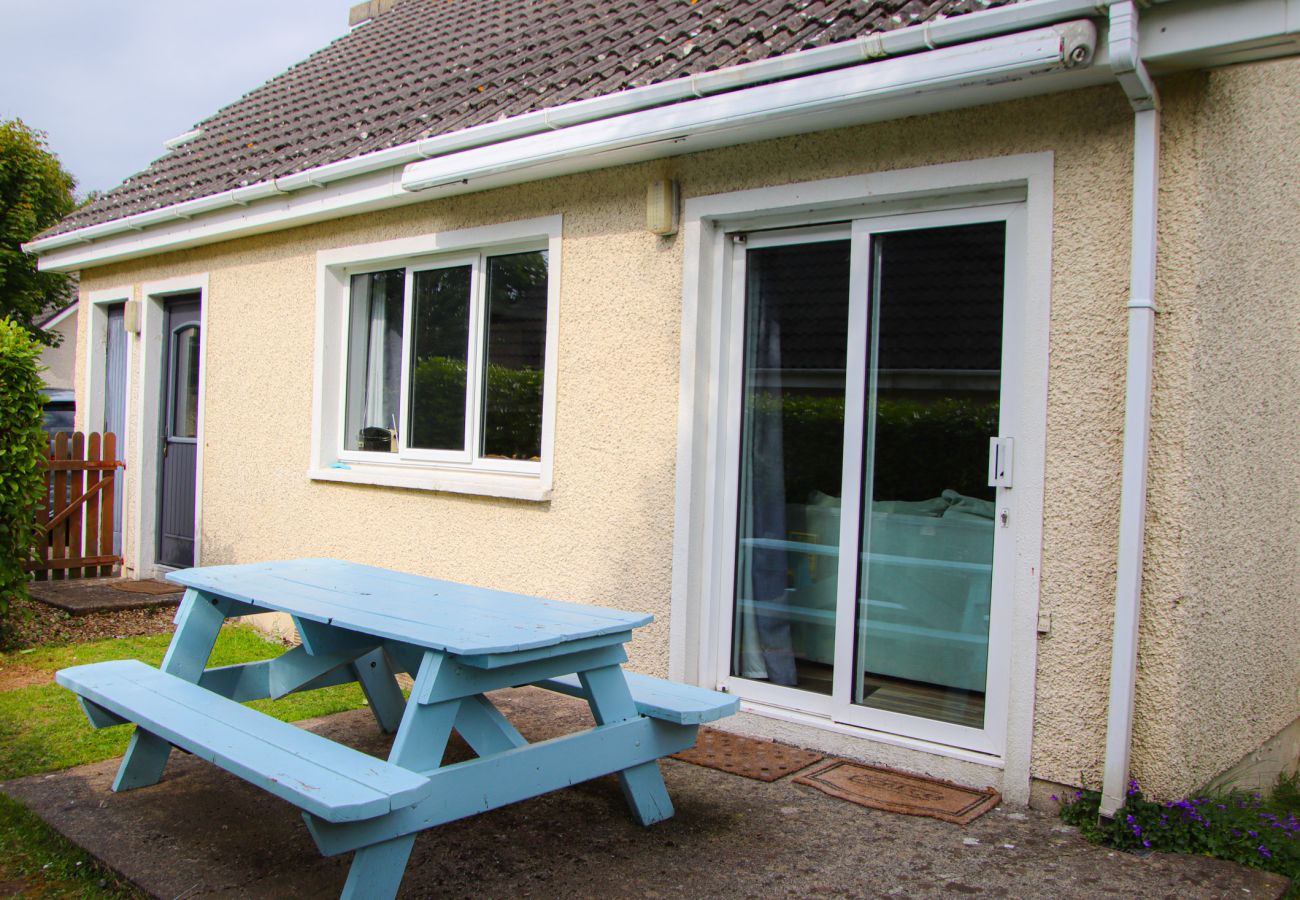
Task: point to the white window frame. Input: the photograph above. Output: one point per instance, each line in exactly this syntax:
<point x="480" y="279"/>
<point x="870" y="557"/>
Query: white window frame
<point x="700" y="612"/>
<point x="453" y="471"/>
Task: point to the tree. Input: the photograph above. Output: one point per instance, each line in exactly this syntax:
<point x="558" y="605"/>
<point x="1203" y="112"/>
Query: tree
<point x="35" y="193"/>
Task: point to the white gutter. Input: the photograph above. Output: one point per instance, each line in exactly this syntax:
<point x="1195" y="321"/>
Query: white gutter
<point x="1133" y="77"/>
<point x="915" y="38"/>
<point x="965" y="75"/>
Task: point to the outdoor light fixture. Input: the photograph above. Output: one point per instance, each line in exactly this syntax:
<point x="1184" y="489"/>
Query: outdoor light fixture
<point x="948" y="77"/>
<point x="661" y="207"/>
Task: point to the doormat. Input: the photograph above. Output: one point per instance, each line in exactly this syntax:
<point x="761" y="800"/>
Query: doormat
<point x="147" y="587"/>
<point x="913" y="795"/>
<point x="745" y="756"/>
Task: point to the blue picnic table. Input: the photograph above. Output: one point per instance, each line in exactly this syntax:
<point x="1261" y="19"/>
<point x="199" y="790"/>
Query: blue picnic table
<point x="366" y="624"/>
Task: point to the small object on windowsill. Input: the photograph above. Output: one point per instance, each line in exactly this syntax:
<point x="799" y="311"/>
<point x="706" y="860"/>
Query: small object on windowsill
<point x="339" y="465"/>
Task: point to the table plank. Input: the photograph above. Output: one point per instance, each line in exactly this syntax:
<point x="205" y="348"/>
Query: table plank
<point x="439" y="615"/>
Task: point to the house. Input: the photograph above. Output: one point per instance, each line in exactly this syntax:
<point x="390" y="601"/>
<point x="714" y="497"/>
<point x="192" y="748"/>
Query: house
<point x="929" y="370"/>
<point x="60" y="362"/>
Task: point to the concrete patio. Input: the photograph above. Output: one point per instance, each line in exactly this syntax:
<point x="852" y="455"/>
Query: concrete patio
<point x="204" y="833"/>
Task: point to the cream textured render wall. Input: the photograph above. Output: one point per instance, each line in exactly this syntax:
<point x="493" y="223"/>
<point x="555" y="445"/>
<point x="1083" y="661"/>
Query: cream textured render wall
<point x="606" y="536"/>
<point x="1221" y="626"/>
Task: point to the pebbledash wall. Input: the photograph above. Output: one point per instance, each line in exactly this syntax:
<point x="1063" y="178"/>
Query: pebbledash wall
<point x="1219" y="668"/>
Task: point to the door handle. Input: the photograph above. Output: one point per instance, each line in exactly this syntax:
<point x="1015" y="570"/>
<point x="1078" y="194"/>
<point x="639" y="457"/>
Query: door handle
<point x="1000" y="454"/>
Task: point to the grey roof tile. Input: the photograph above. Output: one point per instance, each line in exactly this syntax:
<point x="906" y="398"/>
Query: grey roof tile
<point x="430" y="67"/>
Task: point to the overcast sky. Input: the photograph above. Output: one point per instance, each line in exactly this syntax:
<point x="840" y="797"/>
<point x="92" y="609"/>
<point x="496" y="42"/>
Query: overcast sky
<point x="110" y="80"/>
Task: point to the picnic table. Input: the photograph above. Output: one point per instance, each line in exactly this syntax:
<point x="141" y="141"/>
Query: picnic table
<point x="365" y="624"/>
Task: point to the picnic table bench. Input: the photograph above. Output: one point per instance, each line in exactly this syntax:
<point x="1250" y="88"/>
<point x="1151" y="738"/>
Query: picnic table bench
<point x="365" y="624"/>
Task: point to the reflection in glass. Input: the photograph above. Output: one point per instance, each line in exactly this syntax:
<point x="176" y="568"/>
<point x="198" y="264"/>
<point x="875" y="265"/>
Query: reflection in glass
<point x="796" y="321"/>
<point x="932" y="405"/>
<point x="185" y="383"/>
<point x="515" y="358"/>
<point x="374" y="380"/>
<point x="439" y="358"/>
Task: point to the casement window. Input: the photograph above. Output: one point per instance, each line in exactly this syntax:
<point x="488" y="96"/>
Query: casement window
<point x="439" y="365"/>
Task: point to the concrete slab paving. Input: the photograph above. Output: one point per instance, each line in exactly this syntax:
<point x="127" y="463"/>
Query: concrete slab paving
<point x="204" y="833"/>
<point x="80" y="596"/>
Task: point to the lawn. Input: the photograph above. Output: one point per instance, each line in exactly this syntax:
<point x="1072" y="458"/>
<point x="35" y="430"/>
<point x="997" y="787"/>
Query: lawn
<point x="42" y="730"/>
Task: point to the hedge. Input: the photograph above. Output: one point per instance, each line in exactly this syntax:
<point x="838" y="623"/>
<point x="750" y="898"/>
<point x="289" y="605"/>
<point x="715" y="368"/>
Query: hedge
<point x="23" y="446"/>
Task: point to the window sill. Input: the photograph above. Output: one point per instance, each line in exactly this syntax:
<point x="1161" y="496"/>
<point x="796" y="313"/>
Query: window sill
<point x="483" y="484"/>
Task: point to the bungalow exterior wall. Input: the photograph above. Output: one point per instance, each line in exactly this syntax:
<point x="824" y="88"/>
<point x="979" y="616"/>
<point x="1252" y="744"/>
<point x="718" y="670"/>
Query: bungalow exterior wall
<point x="1220" y="622"/>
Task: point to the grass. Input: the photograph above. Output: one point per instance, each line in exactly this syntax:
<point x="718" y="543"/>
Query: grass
<point x="42" y="729"/>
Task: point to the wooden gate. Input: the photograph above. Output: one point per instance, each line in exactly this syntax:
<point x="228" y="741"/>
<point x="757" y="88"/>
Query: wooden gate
<point x="76" y="512"/>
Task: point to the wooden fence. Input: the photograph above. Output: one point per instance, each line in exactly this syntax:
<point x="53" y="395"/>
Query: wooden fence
<point x="76" y="512"/>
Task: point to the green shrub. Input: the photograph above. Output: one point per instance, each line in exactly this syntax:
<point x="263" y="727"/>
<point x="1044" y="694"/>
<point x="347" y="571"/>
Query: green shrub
<point x="922" y="449"/>
<point x="513" y="426"/>
<point x="22" y="448"/>
<point x="1244" y="828"/>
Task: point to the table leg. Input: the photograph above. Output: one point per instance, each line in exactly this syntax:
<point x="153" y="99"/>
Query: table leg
<point x="377" y="870"/>
<point x="643" y="785"/>
<point x="484" y="728"/>
<point x="380" y="686"/>
<point x="198" y="622"/>
<point x="422" y="736"/>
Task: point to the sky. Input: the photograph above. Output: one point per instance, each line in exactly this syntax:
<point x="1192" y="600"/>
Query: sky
<point x="109" y="80"/>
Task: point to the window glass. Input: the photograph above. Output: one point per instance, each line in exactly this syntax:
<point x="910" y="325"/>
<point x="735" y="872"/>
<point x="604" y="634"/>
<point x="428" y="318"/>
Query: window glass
<point x="374" y="376"/>
<point x="514" y="357"/>
<point x="185" y="383"/>
<point x="439" y="358"/>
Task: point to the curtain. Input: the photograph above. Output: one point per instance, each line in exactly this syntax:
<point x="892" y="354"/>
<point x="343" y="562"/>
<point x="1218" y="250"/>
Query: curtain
<point x="763" y="647"/>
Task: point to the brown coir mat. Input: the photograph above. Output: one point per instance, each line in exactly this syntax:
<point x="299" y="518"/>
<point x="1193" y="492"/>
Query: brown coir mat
<point x="745" y="756"/>
<point x="899" y="792"/>
<point x="147" y="587"/>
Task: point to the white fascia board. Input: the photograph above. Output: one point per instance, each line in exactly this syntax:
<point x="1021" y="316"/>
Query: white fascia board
<point x="69" y="310"/>
<point x="888" y="88"/>
<point x="379" y="190"/>
<point x="1203" y="34"/>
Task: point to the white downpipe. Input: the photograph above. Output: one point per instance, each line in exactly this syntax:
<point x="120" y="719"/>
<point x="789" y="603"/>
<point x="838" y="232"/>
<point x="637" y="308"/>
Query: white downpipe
<point x="1137" y="403"/>
<point x="912" y="39"/>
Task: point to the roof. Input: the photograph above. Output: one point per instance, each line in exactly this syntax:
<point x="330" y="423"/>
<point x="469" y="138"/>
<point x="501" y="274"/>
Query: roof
<point x="431" y="67"/>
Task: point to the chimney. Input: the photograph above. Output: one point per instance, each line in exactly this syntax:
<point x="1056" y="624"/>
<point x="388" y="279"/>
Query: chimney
<point x="364" y="12"/>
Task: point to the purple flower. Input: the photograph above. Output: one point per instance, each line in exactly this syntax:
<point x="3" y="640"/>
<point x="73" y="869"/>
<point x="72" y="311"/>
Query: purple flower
<point x="1056" y="799"/>
<point x="1264" y="852"/>
<point x="1146" y="843"/>
<point x="1133" y="787"/>
<point x="1253" y="833"/>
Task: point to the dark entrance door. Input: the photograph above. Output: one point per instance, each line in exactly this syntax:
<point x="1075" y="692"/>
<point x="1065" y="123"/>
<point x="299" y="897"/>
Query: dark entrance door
<point x="179" y="440"/>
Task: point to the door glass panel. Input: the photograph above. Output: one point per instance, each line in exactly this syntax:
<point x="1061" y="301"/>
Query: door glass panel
<point x="439" y="358"/>
<point x="185" y="383"/>
<point x="935" y="345"/>
<point x="791" y="463"/>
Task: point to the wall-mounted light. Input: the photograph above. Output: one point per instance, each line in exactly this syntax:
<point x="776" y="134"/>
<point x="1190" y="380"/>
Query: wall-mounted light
<point x="661" y="205"/>
<point x="131" y="316"/>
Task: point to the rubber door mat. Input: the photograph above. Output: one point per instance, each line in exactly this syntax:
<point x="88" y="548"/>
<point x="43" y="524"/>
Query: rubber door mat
<point x="745" y="756"/>
<point x="914" y="795"/>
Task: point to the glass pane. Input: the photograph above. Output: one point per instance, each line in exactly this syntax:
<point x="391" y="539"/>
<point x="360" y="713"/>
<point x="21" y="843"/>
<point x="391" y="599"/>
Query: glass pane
<point x="374" y="384"/>
<point x="791" y="452"/>
<point x="185" y="383"/>
<point x="924" y="592"/>
<point x="515" y="357"/>
<point x="439" y="357"/>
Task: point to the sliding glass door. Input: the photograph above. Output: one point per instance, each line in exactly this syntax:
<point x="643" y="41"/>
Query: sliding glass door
<point x="872" y="450"/>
